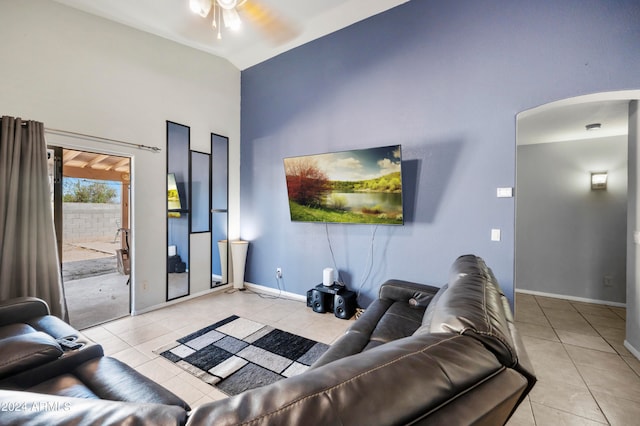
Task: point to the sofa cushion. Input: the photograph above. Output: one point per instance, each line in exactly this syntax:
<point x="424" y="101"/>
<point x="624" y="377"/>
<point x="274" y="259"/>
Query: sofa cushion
<point x="383" y="321"/>
<point x="64" y="385"/>
<point x="357" y="336"/>
<point x="400" y="320"/>
<point x="98" y="377"/>
<point x="53" y="326"/>
<point x="56" y="367"/>
<point x="15" y="330"/>
<point x="24" y="351"/>
<point x="111" y="379"/>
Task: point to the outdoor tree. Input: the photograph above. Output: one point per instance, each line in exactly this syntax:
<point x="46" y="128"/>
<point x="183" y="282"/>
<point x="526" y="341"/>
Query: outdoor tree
<point x="306" y="183"/>
<point x="77" y="191"/>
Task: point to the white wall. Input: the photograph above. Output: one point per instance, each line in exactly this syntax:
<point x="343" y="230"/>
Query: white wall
<point x="568" y="237"/>
<point x="80" y="73"/>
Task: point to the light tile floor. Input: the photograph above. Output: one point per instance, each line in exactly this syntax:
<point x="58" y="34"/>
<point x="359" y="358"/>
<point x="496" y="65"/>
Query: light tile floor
<point x="585" y="374"/>
<point x="133" y="339"/>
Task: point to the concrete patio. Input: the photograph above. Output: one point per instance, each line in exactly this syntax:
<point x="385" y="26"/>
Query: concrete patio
<point x="96" y="292"/>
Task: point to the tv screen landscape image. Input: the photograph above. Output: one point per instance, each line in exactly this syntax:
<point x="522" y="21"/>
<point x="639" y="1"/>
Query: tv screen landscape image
<point x="356" y="186"/>
<point x="174" y="206"/>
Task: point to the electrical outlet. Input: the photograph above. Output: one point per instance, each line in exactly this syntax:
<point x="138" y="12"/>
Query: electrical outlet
<point x="608" y="281"/>
<point x="278" y="273"/>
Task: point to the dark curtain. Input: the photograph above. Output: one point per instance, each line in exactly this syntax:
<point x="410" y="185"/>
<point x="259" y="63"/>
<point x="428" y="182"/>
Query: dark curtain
<point x="29" y="264"/>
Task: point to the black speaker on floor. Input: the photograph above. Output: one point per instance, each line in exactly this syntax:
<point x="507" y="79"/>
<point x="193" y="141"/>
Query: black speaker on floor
<point x="309" y="298"/>
<point x="321" y="302"/>
<point x="180" y="267"/>
<point x="345" y="304"/>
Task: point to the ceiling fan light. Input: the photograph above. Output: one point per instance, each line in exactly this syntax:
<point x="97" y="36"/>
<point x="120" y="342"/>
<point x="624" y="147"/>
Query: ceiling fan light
<point x="231" y="19"/>
<point x="227" y="4"/>
<point x="201" y="7"/>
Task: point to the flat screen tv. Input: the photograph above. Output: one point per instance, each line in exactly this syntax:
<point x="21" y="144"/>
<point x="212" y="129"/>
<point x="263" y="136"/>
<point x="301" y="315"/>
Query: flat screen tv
<point x="356" y="186"/>
<point x="174" y="203"/>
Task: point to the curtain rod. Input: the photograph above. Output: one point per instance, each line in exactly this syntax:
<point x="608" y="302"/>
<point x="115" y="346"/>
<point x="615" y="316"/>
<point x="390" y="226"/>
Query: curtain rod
<point x="101" y="139"/>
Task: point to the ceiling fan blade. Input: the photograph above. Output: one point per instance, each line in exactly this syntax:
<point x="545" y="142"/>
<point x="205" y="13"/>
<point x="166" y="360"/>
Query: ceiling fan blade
<point x="201" y="7"/>
<point x="231" y="19"/>
<point x="277" y="28"/>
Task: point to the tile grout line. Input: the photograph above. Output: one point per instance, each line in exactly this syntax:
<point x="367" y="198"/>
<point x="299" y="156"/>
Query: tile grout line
<point x="595" y="400"/>
<point x="574" y="365"/>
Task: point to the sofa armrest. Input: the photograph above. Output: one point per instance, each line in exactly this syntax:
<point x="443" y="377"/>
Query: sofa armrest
<point x="39" y="409"/>
<point x="20" y="309"/>
<point x="416" y="295"/>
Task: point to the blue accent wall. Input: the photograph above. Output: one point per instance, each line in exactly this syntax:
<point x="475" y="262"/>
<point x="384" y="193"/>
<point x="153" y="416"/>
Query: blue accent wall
<point x="445" y="80"/>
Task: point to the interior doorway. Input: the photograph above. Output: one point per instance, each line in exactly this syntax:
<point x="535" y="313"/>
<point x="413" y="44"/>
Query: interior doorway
<point x="565" y="122"/>
<point x="571" y="239"/>
<point x="91" y="195"/>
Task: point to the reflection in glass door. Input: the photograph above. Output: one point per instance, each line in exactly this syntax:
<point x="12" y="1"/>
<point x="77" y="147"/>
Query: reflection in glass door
<point x="178" y="217"/>
<point x="219" y="213"/>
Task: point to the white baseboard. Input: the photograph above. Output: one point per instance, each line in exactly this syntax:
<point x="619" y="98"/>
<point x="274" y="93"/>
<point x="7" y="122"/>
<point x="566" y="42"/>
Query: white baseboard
<point x="254" y="287"/>
<point x="276" y="292"/>
<point x="572" y="298"/>
<point x="631" y="349"/>
<point x="179" y="300"/>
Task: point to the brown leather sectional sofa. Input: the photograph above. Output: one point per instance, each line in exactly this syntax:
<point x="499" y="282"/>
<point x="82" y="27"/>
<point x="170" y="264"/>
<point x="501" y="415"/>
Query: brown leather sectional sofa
<point x="418" y="355"/>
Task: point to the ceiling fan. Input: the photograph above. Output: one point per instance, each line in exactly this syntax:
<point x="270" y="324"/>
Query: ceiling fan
<point x="227" y="13"/>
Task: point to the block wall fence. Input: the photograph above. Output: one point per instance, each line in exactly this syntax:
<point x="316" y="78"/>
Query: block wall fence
<point x="90" y="222"/>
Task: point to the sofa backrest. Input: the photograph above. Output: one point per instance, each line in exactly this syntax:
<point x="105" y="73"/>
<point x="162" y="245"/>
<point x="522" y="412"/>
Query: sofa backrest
<point x="472" y="304"/>
<point x="20" y="309"/>
<point x="422" y="379"/>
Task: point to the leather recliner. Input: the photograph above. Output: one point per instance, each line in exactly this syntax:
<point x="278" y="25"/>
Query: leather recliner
<point x="44" y="355"/>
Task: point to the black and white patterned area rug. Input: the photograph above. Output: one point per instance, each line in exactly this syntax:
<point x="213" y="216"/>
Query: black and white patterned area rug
<point x="237" y="354"/>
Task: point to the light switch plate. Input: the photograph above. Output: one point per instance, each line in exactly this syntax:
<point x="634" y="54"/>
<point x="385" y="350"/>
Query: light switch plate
<point x="506" y="192"/>
<point x="495" y="235"/>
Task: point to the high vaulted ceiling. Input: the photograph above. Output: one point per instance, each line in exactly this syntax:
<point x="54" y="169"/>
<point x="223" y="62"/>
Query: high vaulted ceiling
<point x="312" y="19"/>
<point x="172" y="19"/>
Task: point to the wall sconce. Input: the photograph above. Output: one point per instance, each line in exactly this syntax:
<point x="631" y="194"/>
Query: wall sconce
<point x="598" y="180"/>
